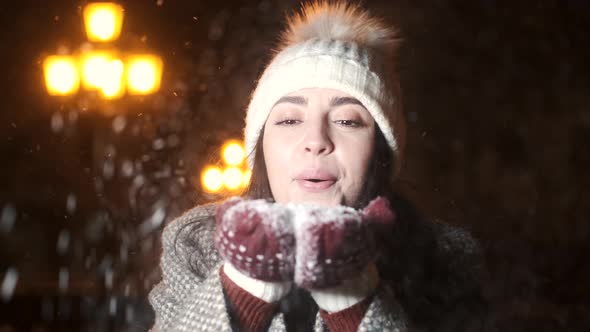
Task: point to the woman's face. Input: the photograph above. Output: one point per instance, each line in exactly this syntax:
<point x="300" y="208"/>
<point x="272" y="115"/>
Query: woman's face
<point x="317" y="146"/>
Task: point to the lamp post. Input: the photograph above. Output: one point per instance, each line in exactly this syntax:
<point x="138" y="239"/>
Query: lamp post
<point x="103" y="68"/>
<point x="98" y="75"/>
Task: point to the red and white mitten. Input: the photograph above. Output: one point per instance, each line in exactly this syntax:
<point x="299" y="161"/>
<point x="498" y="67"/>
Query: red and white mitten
<point x="256" y="237"/>
<point x="335" y="244"/>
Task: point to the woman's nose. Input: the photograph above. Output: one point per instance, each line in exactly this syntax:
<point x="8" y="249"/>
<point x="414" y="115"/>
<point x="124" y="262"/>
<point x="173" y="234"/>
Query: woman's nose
<point x="317" y="140"/>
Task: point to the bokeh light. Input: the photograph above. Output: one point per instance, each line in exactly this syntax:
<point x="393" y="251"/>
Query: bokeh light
<point x="233" y="153"/>
<point x="112" y="86"/>
<point x="61" y="75"/>
<point x="232" y="178"/>
<point x="103" y="21"/>
<point x="94" y="67"/>
<point x="212" y="179"/>
<point x="144" y="73"/>
<point x="247" y="174"/>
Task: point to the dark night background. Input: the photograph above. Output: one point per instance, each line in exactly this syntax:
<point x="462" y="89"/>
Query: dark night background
<point x="496" y="95"/>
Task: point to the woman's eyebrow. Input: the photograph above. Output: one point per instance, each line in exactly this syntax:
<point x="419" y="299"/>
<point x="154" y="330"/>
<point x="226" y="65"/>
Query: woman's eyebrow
<point x="298" y="100"/>
<point x="339" y="101"/>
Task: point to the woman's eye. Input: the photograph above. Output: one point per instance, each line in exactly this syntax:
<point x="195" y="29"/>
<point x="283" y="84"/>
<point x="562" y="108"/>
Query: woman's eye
<point x="349" y="123"/>
<point x="288" y="122"/>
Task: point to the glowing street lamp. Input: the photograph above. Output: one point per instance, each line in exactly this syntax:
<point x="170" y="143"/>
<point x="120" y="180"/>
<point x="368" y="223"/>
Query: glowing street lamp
<point x="61" y="75"/>
<point x="212" y="179"/>
<point x="143" y="74"/>
<point x="103" y="70"/>
<point x="94" y="66"/>
<point x="230" y="178"/>
<point x="112" y="86"/>
<point x="103" y="21"/>
<point x="233" y="153"/>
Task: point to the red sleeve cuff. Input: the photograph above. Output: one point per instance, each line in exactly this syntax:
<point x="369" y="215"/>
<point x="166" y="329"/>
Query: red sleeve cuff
<point x="347" y="320"/>
<point x="251" y="313"/>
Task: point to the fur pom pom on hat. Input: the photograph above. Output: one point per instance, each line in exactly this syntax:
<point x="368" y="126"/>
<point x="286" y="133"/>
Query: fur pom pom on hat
<point x="338" y="46"/>
<point x="338" y="21"/>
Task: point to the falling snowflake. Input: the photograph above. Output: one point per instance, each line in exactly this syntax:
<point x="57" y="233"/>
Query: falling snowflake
<point x="113" y="306"/>
<point x="154" y="221"/>
<point x="7" y="218"/>
<point x="71" y="203"/>
<point x="119" y="124"/>
<point x="63" y="242"/>
<point x="57" y="122"/>
<point x="127" y="168"/>
<point x="64" y="279"/>
<point x="108" y="169"/>
<point x="9" y="284"/>
<point x="108" y="278"/>
<point x="159" y="144"/>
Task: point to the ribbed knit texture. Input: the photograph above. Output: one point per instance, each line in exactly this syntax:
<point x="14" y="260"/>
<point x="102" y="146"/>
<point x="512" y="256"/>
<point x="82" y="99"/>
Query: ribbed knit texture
<point x="267" y="291"/>
<point x="348" y="293"/>
<point x="324" y="64"/>
<point x="252" y="314"/>
<point x="188" y="300"/>
<point x="336" y="46"/>
<point x="347" y="320"/>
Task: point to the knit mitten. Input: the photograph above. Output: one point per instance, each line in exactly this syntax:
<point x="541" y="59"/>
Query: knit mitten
<point x="334" y="244"/>
<point x="256" y="237"/>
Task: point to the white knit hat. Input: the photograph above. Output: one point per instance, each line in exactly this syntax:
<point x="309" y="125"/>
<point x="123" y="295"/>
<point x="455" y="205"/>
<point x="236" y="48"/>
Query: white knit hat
<point x="336" y="46"/>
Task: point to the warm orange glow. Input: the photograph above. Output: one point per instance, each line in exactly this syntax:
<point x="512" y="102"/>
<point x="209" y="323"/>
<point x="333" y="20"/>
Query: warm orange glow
<point x="102" y="71"/>
<point x="94" y="66"/>
<point x="212" y="179"/>
<point x="233" y="153"/>
<point x="144" y="73"/>
<point x="112" y="86"/>
<point x="61" y="75"/>
<point x="246" y="178"/>
<point x="232" y="178"/>
<point x="103" y="21"/>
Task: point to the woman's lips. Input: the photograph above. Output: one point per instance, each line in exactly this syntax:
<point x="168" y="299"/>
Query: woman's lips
<point x="315" y="180"/>
<point x="315" y="186"/>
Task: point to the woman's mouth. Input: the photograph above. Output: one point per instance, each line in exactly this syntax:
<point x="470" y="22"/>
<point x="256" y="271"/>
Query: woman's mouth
<point x="315" y="185"/>
<point x="314" y="180"/>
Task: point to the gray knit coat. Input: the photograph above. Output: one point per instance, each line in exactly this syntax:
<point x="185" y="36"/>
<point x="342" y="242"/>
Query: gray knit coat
<point x="413" y="295"/>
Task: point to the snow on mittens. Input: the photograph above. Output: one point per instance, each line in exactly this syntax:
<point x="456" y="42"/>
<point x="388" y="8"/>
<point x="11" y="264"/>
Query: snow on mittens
<point x="335" y="244"/>
<point x="316" y="246"/>
<point x="257" y="238"/>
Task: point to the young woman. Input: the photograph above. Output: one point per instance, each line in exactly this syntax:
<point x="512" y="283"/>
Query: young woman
<point x="321" y="241"/>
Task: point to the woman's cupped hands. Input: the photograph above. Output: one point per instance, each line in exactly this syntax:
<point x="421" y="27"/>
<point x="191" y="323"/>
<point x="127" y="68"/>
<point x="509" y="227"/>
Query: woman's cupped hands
<point x="317" y="247"/>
